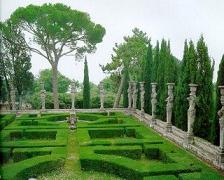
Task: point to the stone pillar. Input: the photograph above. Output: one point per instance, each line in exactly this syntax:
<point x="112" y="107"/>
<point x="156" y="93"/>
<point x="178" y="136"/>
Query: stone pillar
<point x="169" y="107"/>
<point x="73" y="90"/>
<point x="134" y="95"/>
<point x="42" y="96"/>
<point x="191" y="113"/>
<point x="153" y="102"/>
<point x="102" y="96"/>
<point x="13" y="96"/>
<point x="142" y="97"/>
<point x="221" y="123"/>
<point x="129" y="95"/>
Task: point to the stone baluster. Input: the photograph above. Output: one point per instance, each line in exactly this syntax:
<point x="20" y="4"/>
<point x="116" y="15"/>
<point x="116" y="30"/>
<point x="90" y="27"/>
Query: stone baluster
<point x="102" y="96"/>
<point x="221" y="123"/>
<point x="13" y="96"/>
<point x="191" y="113"/>
<point x="169" y="107"/>
<point x="134" y="95"/>
<point x="42" y="96"/>
<point x="129" y="95"/>
<point x="142" y="89"/>
<point x="73" y="91"/>
<point x="154" y="102"/>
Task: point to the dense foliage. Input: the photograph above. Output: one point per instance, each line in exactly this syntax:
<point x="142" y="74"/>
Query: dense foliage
<point x="86" y="87"/>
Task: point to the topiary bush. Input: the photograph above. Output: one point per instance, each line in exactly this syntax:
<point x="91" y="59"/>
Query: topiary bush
<point x="16" y="135"/>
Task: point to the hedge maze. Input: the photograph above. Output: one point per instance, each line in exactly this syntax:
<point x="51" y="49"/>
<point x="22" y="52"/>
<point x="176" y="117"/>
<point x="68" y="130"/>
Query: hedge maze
<point x="118" y="145"/>
<point x="32" y="145"/>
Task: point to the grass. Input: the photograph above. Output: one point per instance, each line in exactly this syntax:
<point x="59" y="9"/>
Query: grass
<point x="114" y="147"/>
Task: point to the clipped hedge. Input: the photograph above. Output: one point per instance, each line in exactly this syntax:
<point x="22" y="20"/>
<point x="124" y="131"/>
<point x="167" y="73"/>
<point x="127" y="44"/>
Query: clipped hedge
<point x="106" y="133"/>
<point x="29" y="123"/>
<point x="4" y="155"/>
<point x="6" y="120"/>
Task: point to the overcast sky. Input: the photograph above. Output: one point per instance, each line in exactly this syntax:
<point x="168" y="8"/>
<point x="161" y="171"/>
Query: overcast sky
<point x="170" y="19"/>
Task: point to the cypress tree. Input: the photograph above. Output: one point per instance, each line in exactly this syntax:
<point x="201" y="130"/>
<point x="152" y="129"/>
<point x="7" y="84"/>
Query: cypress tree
<point x="125" y="87"/>
<point x="187" y="76"/>
<point x="215" y="124"/>
<point x="147" y="77"/>
<point x="155" y="62"/>
<point x="204" y="92"/>
<point x="86" y="87"/>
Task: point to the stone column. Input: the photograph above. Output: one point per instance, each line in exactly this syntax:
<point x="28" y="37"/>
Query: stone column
<point x="134" y="95"/>
<point x="142" y="97"/>
<point x="169" y="107"/>
<point x="73" y="91"/>
<point x="13" y="96"/>
<point x="42" y="96"/>
<point x="154" y="102"/>
<point x="129" y="95"/>
<point x="221" y="123"/>
<point x="191" y="113"/>
<point x="102" y="96"/>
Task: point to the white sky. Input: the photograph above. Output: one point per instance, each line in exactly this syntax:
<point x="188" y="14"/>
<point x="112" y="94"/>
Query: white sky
<point x="170" y="19"/>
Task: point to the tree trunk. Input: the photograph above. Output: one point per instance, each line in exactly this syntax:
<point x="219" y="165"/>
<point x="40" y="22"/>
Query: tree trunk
<point x="118" y="96"/>
<point x="55" y="86"/>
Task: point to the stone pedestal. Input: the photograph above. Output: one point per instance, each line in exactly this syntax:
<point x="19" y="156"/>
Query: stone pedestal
<point x="142" y="89"/>
<point x="169" y="107"/>
<point x="134" y="96"/>
<point x="221" y="123"/>
<point x="191" y="114"/>
<point x="73" y="91"/>
<point x="129" y="95"/>
<point x="102" y="96"/>
<point x="42" y="96"/>
<point x="73" y="120"/>
<point x="13" y="96"/>
<point x="154" y="103"/>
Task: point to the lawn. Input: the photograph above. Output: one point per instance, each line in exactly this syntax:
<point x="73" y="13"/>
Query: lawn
<point x="103" y="147"/>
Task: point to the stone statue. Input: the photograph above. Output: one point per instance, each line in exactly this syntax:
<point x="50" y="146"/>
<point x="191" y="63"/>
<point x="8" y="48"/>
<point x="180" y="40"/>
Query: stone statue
<point x="129" y="95"/>
<point x="221" y="123"/>
<point x="102" y="95"/>
<point x="153" y="101"/>
<point x="13" y="96"/>
<point x="73" y="91"/>
<point x="169" y="107"/>
<point x="134" y="95"/>
<point x="42" y="96"/>
<point x="142" y="96"/>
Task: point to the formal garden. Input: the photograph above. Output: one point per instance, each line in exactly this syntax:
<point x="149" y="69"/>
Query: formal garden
<point x="152" y="116"/>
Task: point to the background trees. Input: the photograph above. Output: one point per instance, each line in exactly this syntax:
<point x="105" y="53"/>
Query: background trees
<point x="86" y="87"/>
<point x="58" y="31"/>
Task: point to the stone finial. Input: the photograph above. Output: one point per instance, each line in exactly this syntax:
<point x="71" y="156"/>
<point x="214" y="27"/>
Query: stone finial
<point x="129" y="95"/>
<point x="154" y="102"/>
<point x="73" y="91"/>
<point x="142" y="89"/>
<point x="13" y="96"/>
<point x="42" y="96"/>
<point x="169" y="107"/>
<point x="134" y="95"/>
<point x="102" y="95"/>
<point x="191" y="113"/>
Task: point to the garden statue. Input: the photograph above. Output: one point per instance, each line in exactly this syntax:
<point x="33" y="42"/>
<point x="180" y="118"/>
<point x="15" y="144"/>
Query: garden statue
<point x="142" y="98"/>
<point x="42" y="96"/>
<point x="73" y="120"/>
<point x="221" y="123"/>
<point x="129" y="95"/>
<point x="73" y="91"/>
<point x="153" y="102"/>
<point x="13" y="96"/>
<point x="102" y="95"/>
<point x="134" y="95"/>
<point x="169" y="107"/>
<point x="191" y="112"/>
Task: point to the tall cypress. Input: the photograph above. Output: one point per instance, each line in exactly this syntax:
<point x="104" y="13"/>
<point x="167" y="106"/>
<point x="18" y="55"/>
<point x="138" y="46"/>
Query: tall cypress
<point x="147" y="78"/>
<point x="187" y="76"/>
<point x="86" y="86"/>
<point x="204" y="92"/>
<point x="125" y="87"/>
<point x="215" y="124"/>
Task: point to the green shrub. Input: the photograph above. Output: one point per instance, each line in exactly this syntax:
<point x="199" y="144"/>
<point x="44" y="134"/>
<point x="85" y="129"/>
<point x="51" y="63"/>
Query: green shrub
<point x="106" y="133"/>
<point x="19" y="155"/>
<point x="29" y="123"/>
<point x="15" y="135"/>
<point x="4" y="155"/>
<point x="6" y="120"/>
